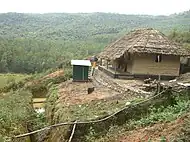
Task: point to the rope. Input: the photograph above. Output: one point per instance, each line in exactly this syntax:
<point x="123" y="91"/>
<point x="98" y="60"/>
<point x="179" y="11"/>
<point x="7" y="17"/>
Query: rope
<point x="86" y="122"/>
<point x="73" y="131"/>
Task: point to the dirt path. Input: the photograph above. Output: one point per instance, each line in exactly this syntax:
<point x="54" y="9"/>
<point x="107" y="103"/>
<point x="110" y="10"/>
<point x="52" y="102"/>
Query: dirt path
<point x="76" y="93"/>
<point x="131" y="87"/>
<point x="105" y="87"/>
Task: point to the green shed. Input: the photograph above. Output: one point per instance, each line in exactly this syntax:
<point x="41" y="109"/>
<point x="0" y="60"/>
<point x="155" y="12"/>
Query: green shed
<point x="80" y="69"/>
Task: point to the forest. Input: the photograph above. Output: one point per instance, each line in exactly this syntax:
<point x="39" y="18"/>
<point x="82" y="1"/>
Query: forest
<point x="32" y="43"/>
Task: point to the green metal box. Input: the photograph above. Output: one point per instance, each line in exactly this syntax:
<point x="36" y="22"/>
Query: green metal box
<point x="80" y="73"/>
<point x="80" y="69"/>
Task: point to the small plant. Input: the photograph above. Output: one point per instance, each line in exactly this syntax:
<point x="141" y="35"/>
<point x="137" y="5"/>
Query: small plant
<point x="10" y="80"/>
<point x="163" y="139"/>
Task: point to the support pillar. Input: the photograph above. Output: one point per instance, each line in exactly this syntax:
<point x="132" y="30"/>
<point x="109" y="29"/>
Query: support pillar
<point x="107" y="64"/>
<point x="101" y="61"/>
<point x="115" y="69"/>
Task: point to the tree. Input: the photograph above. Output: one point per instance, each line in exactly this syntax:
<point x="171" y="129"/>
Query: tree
<point x="3" y="64"/>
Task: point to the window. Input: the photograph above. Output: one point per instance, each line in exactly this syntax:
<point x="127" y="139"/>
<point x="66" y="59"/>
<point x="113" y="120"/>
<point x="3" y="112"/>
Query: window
<point x="158" y="58"/>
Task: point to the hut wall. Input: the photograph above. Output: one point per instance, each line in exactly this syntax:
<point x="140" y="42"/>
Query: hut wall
<point x="145" y="64"/>
<point x="130" y="63"/>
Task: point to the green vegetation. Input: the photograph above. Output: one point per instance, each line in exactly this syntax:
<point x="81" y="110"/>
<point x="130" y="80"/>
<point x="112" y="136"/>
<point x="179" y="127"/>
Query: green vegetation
<point x="31" y="56"/>
<point x="15" y="113"/>
<point x="89" y="111"/>
<point x="63" y="26"/>
<point x="184" y="136"/>
<point x="37" y="84"/>
<point x="165" y="114"/>
<point x="181" y="37"/>
<point x="52" y="97"/>
<point x="155" y="115"/>
<point x="9" y="78"/>
<point x="32" y="43"/>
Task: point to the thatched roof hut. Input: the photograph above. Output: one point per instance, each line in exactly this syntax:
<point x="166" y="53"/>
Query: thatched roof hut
<point x="144" y="52"/>
<point x="143" y="41"/>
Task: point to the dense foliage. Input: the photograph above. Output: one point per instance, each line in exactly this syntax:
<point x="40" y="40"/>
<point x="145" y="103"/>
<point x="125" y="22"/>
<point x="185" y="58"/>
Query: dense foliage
<point x="63" y="26"/>
<point x="30" y="56"/>
<point x="15" y="113"/>
<point x="10" y="78"/>
<point x="181" y="37"/>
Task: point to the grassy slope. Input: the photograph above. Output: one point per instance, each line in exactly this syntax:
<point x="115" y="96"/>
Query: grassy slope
<point x="16" y="112"/>
<point x="162" y="115"/>
<point x="15" y="108"/>
<point x="7" y="78"/>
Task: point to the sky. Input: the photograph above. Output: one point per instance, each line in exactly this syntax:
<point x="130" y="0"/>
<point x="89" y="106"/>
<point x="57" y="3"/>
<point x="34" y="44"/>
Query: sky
<point x="150" y="7"/>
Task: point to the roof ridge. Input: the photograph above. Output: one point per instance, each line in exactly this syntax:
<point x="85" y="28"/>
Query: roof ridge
<point x="148" y="38"/>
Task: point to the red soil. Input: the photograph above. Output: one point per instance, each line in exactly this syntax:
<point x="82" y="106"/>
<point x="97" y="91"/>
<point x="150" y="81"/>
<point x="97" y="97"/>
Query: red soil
<point x="49" y="76"/>
<point x="76" y="93"/>
<point x="54" y="74"/>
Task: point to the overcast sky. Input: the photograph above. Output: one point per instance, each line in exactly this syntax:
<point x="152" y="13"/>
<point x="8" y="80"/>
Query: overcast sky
<point x="151" y="7"/>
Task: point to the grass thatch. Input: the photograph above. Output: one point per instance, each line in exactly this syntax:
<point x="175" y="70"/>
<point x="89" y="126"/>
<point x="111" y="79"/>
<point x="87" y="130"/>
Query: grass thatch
<point x="143" y="41"/>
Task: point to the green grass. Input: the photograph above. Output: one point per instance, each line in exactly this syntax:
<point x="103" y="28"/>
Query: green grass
<point x="89" y="111"/>
<point x="7" y="78"/>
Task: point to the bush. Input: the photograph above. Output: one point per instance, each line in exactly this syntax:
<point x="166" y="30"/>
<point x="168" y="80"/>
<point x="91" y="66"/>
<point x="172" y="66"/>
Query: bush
<point x="166" y="114"/>
<point x="15" y="111"/>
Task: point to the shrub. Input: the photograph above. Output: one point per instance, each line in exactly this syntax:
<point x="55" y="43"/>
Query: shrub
<point x="15" y="111"/>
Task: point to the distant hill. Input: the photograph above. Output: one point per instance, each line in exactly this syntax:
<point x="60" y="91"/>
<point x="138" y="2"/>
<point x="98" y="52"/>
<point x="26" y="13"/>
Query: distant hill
<point x="82" y="26"/>
<point x="32" y="43"/>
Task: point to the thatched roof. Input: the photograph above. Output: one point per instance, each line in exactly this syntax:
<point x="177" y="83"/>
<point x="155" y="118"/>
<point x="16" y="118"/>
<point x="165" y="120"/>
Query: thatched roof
<point x="143" y="41"/>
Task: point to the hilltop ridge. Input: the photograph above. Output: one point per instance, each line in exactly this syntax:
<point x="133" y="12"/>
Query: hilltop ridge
<point x="82" y="26"/>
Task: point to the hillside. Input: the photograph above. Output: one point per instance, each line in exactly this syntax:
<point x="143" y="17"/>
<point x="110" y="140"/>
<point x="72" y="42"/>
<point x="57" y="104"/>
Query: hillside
<point x="32" y="43"/>
<point x="157" y="117"/>
<point x="36" y="44"/>
<point x="65" y="26"/>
